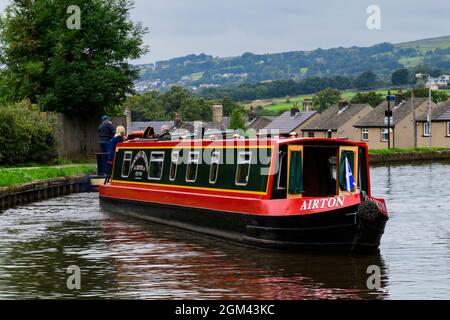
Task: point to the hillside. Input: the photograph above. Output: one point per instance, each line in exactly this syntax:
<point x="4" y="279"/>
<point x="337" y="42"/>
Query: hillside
<point x="203" y="70"/>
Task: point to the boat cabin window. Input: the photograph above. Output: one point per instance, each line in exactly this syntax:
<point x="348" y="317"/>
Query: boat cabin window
<point x="192" y="166"/>
<point x="282" y="176"/>
<point x="174" y="164"/>
<point x="156" y="166"/>
<point x="243" y="168"/>
<point x="126" y="164"/>
<point x="214" y="169"/>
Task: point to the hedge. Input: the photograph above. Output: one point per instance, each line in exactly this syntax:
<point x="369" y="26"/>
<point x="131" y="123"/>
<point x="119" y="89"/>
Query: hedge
<point x="24" y="135"/>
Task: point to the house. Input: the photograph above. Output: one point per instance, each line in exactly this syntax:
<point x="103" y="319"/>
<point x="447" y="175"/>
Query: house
<point x="373" y="128"/>
<point x="440" y="82"/>
<point x="290" y="121"/>
<point x="440" y="127"/>
<point x="259" y="123"/>
<point x="337" y="122"/>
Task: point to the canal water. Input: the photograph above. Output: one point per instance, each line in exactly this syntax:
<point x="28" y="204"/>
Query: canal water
<point x="129" y="259"/>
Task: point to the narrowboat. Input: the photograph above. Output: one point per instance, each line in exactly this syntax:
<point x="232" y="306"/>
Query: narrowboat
<point x="291" y="193"/>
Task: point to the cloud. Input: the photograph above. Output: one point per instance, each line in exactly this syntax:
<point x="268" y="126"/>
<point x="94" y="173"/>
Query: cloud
<point x="232" y="27"/>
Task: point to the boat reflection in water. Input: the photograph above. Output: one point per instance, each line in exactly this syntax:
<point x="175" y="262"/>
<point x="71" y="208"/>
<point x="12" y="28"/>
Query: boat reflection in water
<point x="155" y="262"/>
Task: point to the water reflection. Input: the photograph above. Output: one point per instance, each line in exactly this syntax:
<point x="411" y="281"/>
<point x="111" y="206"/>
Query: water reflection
<point x="128" y="258"/>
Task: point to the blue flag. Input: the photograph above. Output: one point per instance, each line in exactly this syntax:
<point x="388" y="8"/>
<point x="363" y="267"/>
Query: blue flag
<point x="349" y="180"/>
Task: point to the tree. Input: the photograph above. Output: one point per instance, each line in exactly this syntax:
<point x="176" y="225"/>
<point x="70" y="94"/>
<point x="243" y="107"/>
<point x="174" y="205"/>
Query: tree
<point x="326" y="98"/>
<point x="196" y="109"/>
<point x="146" y="107"/>
<point x="400" y="76"/>
<point x="237" y="118"/>
<point x="77" y="71"/>
<point x="436" y="95"/>
<point x="365" y="80"/>
<point x="372" y="98"/>
<point x="228" y="105"/>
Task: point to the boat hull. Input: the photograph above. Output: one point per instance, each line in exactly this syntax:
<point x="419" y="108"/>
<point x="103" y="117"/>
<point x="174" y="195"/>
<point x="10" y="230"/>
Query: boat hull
<point x="340" y="230"/>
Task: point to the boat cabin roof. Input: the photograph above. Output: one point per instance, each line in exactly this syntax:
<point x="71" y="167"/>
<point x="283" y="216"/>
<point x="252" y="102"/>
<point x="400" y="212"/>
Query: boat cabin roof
<point x="245" y="142"/>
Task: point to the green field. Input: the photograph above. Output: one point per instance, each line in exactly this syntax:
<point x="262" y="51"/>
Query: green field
<point x="427" y="44"/>
<point x="13" y="177"/>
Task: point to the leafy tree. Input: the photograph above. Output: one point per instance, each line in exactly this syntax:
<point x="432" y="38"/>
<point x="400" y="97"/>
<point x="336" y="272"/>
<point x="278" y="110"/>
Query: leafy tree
<point x="174" y="99"/>
<point x="77" y="71"/>
<point x="436" y="95"/>
<point x="372" y="98"/>
<point x="326" y="98"/>
<point x="237" y="118"/>
<point x="228" y="105"/>
<point x="146" y="107"/>
<point x="196" y="109"/>
<point x="400" y="76"/>
<point x="365" y="80"/>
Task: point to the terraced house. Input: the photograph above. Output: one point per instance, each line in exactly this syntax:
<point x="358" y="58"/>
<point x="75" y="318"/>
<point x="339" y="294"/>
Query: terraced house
<point x="337" y="122"/>
<point x="440" y="127"/>
<point x="291" y="121"/>
<point x="373" y="128"/>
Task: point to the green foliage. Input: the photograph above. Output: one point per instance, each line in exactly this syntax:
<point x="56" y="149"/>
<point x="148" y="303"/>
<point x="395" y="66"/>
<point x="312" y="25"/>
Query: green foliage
<point x="237" y="118"/>
<point x="24" y="135"/>
<point x="278" y="89"/>
<point x="365" y="80"/>
<point x="14" y="177"/>
<point x="436" y="95"/>
<point x="153" y="106"/>
<point x="326" y="98"/>
<point x="68" y="70"/>
<point x="400" y="77"/>
<point x="372" y="98"/>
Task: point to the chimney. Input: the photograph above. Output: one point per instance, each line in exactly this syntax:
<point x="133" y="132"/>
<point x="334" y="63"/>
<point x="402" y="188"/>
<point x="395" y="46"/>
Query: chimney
<point x="294" y="111"/>
<point x="127" y="115"/>
<point x="217" y="110"/>
<point x="307" y="104"/>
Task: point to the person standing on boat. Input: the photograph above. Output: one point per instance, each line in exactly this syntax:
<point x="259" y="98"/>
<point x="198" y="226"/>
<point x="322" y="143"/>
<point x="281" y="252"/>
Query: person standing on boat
<point x="118" y="138"/>
<point x="105" y="133"/>
<point x="165" y="133"/>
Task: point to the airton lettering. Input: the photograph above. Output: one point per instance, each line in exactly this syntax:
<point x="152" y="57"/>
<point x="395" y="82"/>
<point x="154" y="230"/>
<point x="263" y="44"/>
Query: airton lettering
<point x="329" y="203"/>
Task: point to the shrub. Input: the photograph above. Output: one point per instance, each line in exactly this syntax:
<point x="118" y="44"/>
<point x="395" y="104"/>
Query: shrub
<point x="24" y="135"/>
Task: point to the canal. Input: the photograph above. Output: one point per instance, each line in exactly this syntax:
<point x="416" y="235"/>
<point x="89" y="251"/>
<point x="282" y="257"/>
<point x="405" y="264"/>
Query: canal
<point x="129" y="259"/>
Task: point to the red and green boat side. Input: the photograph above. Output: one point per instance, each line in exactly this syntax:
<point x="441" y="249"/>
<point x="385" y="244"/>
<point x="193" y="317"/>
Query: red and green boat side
<point x="278" y="193"/>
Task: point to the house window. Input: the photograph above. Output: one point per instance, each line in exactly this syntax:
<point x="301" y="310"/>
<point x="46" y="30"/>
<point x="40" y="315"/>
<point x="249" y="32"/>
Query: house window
<point x="310" y="134"/>
<point x="365" y="135"/>
<point x="192" y="166"/>
<point x="156" y="166"/>
<point x="214" y="169"/>
<point x="174" y="165"/>
<point x="282" y="176"/>
<point x="448" y="129"/>
<point x="426" y="129"/>
<point x="243" y="168"/>
<point x="384" y="135"/>
<point x="126" y="165"/>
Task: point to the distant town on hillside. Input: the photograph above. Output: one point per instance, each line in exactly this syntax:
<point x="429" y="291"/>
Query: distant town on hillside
<point x="197" y="72"/>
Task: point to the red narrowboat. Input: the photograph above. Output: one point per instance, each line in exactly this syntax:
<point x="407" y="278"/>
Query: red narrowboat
<point x="295" y="193"/>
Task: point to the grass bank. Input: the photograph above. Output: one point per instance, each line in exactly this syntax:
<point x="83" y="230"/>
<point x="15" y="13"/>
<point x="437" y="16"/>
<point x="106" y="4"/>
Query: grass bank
<point x="413" y="150"/>
<point x="14" y="177"/>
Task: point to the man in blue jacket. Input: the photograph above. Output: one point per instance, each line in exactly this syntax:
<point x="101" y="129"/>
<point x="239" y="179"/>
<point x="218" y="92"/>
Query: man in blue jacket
<point x="106" y="132"/>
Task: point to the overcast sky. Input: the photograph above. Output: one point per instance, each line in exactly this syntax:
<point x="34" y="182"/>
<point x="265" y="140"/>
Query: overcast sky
<point x="232" y="27"/>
